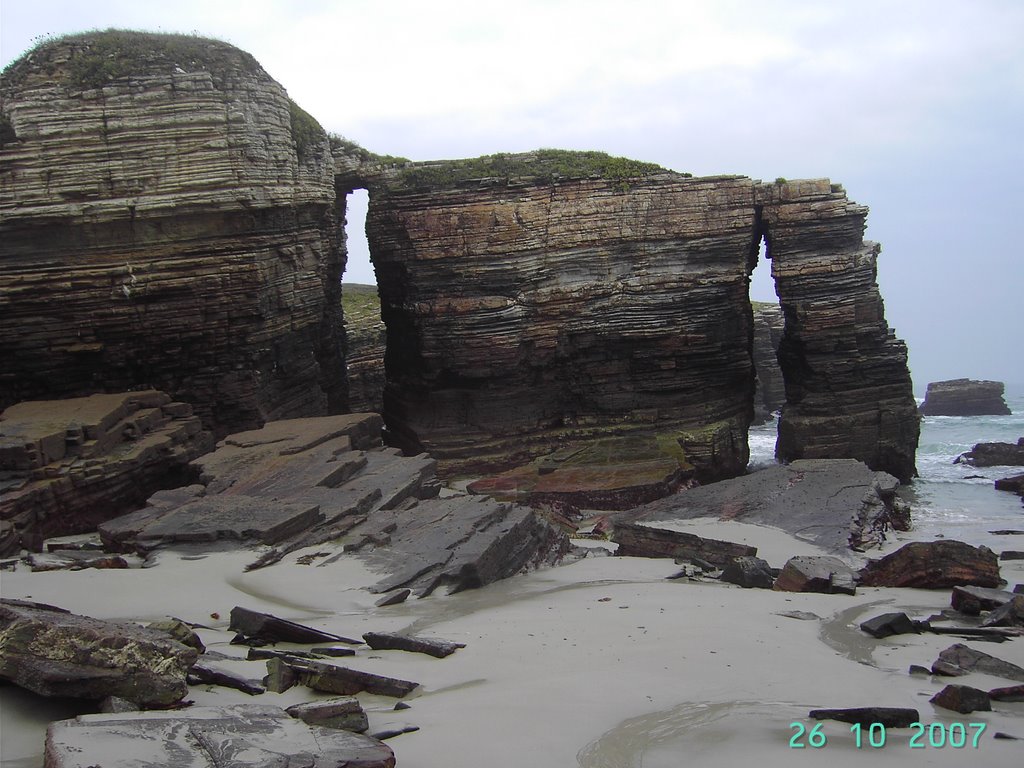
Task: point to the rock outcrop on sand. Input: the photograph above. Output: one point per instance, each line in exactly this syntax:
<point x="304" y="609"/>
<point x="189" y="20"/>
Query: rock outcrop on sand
<point x="534" y="300"/>
<point x="934" y="565"/>
<point x="837" y="504"/>
<point x="299" y="482"/>
<point x="68" y="465"/>
<point x="55" y="653"/>
<point x="965" y="397"/>
<point x="167" y="220"/>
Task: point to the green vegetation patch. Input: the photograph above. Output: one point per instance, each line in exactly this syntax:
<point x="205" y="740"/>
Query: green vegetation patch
<point x="97" y="58"/>
<point x="360" y="303"/>
<point x="543" y="165"/>
<point x="306" y="131"/>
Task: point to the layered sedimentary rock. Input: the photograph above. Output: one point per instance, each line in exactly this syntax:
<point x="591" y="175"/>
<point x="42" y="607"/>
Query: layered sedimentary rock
<point x="848" y="388"/>
<point x="68" y="465"/>
<point x="527" y="311"/>
<point x="365" y="342"/>
<point x="965" y="397"/>
<point x="770" y="392"/>
<point x="167" y="220"/>
<point x="533" y="301"/>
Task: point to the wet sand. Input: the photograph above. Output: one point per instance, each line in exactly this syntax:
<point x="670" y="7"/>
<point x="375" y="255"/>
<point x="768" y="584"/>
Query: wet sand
<point x="599" y="663"/>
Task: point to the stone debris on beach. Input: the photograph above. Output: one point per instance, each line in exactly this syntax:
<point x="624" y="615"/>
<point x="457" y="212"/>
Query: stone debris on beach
<point x="959" y="660"/>
<point x="890" y="717"/>
<point x="748" y="572"/>
<point x="1009" y="693"/>
<point x="56" y="653"/>
<point x="933" y="565"/>
<point x="330" y="678"/>
<point x="68" y="465"/>
<point x="264" y="626"/>
<point x="208" y="737"/>
<point x="835" y="504"/>
<point x="342" y="712"/>
<point x="388" y="641"/>
<point x="816" y="573"/>
<point x="205" y="672"/>
<point x="643" y="540"/>
<point x="1009" y="614"/>
<point x="887" y="624"/>
<point x="962" y="699"/>
<point x="972" y="600"/>
<point x="76" y="561"/>
<point x="299" y="482"/>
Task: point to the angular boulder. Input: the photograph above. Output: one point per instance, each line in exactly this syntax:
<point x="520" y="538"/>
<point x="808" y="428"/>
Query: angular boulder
<point x="748" y="572"/>
<point x="888" y="624"/>
<point x="964" y="397"/>
<point x="962" y="699"/>
<point x="811" y="573"/>
<point x="208" y="737"/>
<point x="56" y="653"/>
<point x="342" y="712"/>
<point x="934" y="565"/>
<point x="959" y="659"/>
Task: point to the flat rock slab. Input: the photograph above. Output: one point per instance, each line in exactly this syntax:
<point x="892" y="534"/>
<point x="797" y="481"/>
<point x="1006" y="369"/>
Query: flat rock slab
<point x="959" y="659"/>
<point x="971" y="600"/>
<point x="343" y="712"/>
<point x="208" y="737"/>
<point x="342" y="680"/>
<point x="389" y="641"/>
<point x="833" y="503"/>
<point x="890" y="717"/>
<point x="55" y="653"/>
<point x="934" y="565"/>
<point x="638" y="540"/>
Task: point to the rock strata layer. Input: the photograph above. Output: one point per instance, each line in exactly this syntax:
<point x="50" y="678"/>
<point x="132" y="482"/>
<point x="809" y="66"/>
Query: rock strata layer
<point x="527" y="309"/>
<point x="68" y="465"/>
<point x="167" y="220"/>
<point x="770" y="392"/>
<point x="965" y="397"/>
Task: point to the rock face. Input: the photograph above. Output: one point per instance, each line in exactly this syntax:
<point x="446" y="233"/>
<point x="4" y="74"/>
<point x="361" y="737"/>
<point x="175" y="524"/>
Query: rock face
<point x="848" y="388"/>
<point x="365" y="343"/>
<point x="68" y="465"/>
<point x="965" y="397"/>
<point x="55" y="653"/>
<point x="770" y="392"/>
<point x="529" y="305"/>
<point x="167" y="220"/>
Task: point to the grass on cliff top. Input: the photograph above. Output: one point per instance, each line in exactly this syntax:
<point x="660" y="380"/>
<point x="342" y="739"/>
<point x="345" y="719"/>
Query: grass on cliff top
<point x="360" y="303"/>
<point x="542" y="165"/>
<point x="99" y="57"/>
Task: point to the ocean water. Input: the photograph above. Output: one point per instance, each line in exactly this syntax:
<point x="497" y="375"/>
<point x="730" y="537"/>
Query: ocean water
<point x="956" y="501"/>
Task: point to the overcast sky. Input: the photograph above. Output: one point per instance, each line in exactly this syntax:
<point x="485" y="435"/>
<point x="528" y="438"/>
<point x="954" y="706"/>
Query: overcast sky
<point x="917" y="108"/>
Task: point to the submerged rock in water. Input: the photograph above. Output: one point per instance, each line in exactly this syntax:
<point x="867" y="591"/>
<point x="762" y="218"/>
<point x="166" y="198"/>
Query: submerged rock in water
<point x="964" y="397"/>
<point x="994" y="455"/>
<point x="56" y="653"/>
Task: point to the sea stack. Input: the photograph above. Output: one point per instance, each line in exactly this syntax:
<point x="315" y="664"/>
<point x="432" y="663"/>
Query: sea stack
<point x="965" y="397"/>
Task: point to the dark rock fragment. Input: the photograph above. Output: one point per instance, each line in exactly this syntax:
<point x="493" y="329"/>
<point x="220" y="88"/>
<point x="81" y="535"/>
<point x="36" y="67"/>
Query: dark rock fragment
<point x="180" y="631"/>
<point x="1014" y="484"/>
<point x="1010" y="693"/>
<point x="994" y="455"/>
<point x="649" y="541"/>
<point x="890" y="717"/>
<point x="962" y="699"/>
<point x="960" y="660"/>
<point x="889" y="624"/>
<point x="395" y="730"/>
<point x="1010" y="614"/>
<point x="389" y="641"/>
<point x="342" y="712"/>
<point x="918" y="671"/>
<point x="280" y="676"/>
<point x="816" y="573"/>
<point x="264" y="626"/>
<point x="396" y="597"/>
<point x="332" y="651"/>
<point x="971" y="600"/>
<point x="204" y="672"/>
<point x="748" y="572"/>
<point x="933" y="565"/>
<point x="1011" y="554"/>
<point x="342" y="680"/>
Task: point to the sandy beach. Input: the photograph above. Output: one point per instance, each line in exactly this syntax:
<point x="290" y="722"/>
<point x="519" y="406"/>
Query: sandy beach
<point x="603" y="662"/>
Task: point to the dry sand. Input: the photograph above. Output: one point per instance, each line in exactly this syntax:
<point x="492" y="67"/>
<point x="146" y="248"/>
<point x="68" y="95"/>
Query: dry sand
<point x="602" y="663"/>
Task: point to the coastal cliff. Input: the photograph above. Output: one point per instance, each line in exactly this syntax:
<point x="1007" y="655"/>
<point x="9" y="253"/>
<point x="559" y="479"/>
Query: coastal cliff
<point x="167" y="220"/>
<point x="544" y="299"/>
